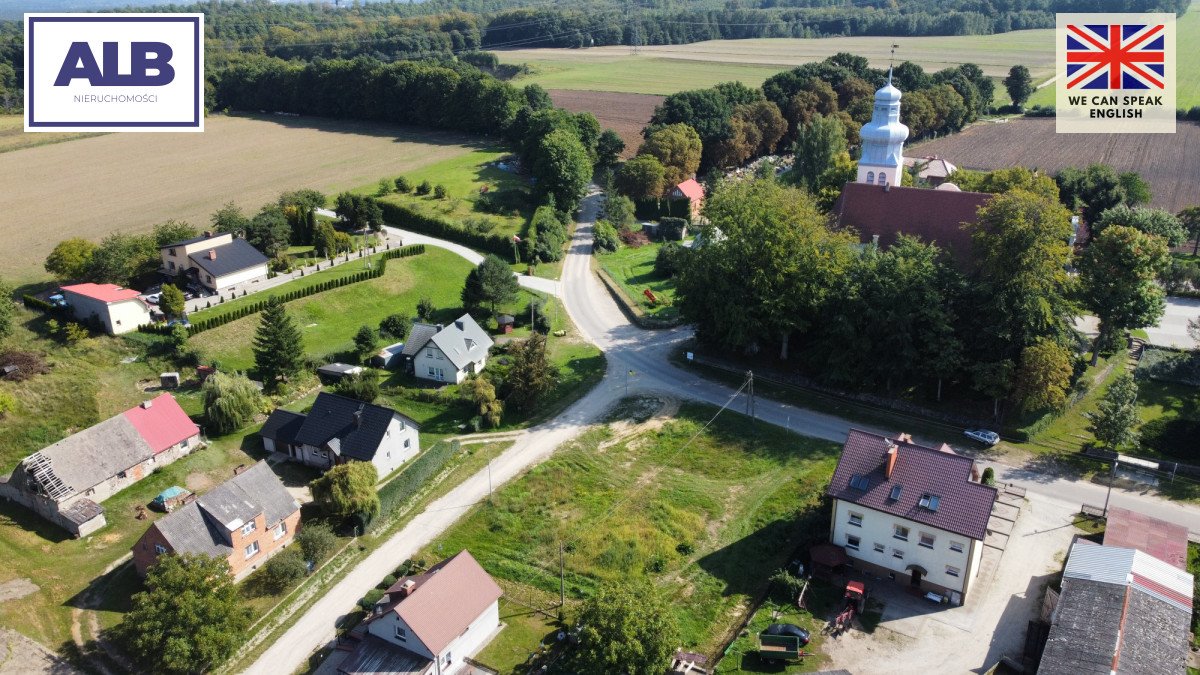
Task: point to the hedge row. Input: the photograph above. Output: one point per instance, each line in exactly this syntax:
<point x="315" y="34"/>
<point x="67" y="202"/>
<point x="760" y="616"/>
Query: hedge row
<point x="399" y="215"/>
<point x="396" y="493"/>
<point x="38" y="304"/>
<point x="247" y="310"/>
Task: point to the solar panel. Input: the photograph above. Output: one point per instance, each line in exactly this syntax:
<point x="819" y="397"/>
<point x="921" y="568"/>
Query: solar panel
<point x="895" y="495"/>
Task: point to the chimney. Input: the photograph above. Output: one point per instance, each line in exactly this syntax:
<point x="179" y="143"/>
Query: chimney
<point x="237" y="470"/>
<point x="438" y="327"/>
<point x="887" y="187"/>
<point x="358" y="415"/>
<point x="875" y="239"/>
<point x="893" y="451"/>
<point x="212" y="254"/>
<point x="406" y="588"/>
<point x="147" y="404"/>
<point x="905" y="438"/>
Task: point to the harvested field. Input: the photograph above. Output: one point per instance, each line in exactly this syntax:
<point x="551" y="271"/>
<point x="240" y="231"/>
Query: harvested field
<point x="625" y="114"/>
<point x="13" y="136"/>
<point x="1169" y="162"/>
<point x="93" y="186"/>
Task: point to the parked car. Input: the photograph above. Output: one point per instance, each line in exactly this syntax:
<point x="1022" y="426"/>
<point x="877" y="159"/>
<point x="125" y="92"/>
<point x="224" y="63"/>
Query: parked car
<point x="984" y="436"/>
<point x="153" y="298"/>
<point x="57" y="300"/>
<point x="179" y="322"/>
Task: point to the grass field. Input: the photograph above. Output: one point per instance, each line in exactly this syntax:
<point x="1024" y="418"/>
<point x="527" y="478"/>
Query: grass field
<point x="13" y="136"/>
<point x="633" y="270"/>
<point x="708" y="521"/>
<point x="128" y="182"/>
<point x="666" y="69"/>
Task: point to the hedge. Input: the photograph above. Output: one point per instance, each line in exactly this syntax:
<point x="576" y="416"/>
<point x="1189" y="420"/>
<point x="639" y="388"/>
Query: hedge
<point x="39" y="304"/>
<point x="247" y="310"/>
<point x="396" y="493"/>
<point x="399" y="215"/>
<point x="655" y="209"/>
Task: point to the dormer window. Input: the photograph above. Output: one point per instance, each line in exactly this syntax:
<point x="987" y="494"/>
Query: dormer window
<point x="859" y="482"/>
<point x="470" y="344"/>
<point x="930" y="502"/>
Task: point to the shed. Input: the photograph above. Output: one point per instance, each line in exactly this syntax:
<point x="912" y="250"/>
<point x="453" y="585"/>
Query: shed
<point x="505" y="323"/>
<point x="827" y="557"/>
<point x="168" y="380"/>
<point x="336" y="371"/>
<point x="170" y="499"/>
<point x="389" y="357"/>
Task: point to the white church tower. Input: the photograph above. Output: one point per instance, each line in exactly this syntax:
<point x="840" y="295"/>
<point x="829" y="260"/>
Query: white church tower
<point x="883" y="139"/>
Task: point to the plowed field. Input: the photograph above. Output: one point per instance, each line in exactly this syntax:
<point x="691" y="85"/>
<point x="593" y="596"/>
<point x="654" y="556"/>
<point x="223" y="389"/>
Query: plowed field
<point x="625" y="114"/>
<point x="1171" y="163"/>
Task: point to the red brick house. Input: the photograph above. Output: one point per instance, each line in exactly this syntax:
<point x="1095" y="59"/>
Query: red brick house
<point x="244" y="520"/>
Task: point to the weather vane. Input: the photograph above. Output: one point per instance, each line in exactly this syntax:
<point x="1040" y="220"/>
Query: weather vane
<point x="892" y="59"/>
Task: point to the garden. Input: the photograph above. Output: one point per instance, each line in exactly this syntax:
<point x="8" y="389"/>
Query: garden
<point x="634" y="271"/>
<point x="706" y="513"/>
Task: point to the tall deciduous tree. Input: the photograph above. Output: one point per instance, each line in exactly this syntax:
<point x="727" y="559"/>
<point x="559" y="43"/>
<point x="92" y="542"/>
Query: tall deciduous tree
<point x="70" y="259"/>
<point x="1115" y="422"/>
<point x="562" y="168"/>
<point x="818" y="144"/>
<point x="121" y="258"/>
<point x="531" y="375"/>
<point x="173" y="231"/>
<point x="347" y="490"/>
<point x="642" y="177"/>
<point x="626" y="628"/>
<point x="608" y="149"/>
<point x="1004" y="180"/>
<point x="1118" y="274"/>
<point x="1043" y="376"/>
<point x="1019" y="85"/>
<point x="481" y="393"/>
<point x="677" y="147"/>
<point x="1151" y="221"/>
<point x="301" y="206"/>
<point x="278" y="345"/>
<point x="230" y="218"/>
<point x="189" y="619"/>
<point x="1189" y="218"/>
<point x="395" y="326"/>
<point x="230" y="402"/>
<point x="1093" y="190"/>
<point x="492" y="282"/>
<point x="172" y="302"/>
<point x="269" y="231"/>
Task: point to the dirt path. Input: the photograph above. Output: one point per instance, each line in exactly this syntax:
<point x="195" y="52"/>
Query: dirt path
<point x="87" y="603"/>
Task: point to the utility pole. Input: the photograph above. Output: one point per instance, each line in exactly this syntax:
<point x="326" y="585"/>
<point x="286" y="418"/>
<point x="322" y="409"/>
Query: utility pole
<point x="750" y="393"/>
<point x="1112" y="475"/>
<point x="562" y="579"/>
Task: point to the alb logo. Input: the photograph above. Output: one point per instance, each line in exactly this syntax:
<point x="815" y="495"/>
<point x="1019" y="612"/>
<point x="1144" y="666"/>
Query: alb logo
<point x="150" y="65"/>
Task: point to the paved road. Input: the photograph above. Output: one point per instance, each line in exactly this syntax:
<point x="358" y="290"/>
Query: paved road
<point x="637" y="361"/>
<point x="1171" y="331"/>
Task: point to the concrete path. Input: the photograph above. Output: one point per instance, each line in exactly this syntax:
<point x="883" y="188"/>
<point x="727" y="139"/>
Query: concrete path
<point x="1171" y="331"/>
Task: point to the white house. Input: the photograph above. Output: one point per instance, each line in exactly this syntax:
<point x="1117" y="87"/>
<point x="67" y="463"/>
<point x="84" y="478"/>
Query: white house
<point x="427" y="624"/>
<point x="338" y="430"/>
<point x="448" y="353"/>
<point x="119" y="310"/>
<point x="911" y="513"/>
<point x="215" y="261"/>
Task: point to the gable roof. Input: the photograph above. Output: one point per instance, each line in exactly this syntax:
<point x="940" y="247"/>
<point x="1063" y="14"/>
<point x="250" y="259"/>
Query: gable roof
<point x="446" y="600"/>
<point x="331" y="422"/>
<point x="691" y="189"/>
<point x="282" y="426"/>
<point x="1121" y="610"/>
<point x="418" y="337"/>
<point x="235" y="256"/>
<point x="964" y="507"/>
<point x="203" y="526"/>
<point x="936" y="216"/>
<point x="934" y="166"/>
<point x="463" y="341"/>
<point x="87" y="458"/>
<point x="161" y="422"/>
<point x="107" y="293"/>
<point x="196" y="239"/>
<point x="1158" y="538"/>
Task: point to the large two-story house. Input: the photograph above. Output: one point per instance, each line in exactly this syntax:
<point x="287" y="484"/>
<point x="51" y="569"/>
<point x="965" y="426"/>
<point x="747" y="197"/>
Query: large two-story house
<point x="244" y="521"/>
<point x="911" y="513"/>
<point x="215" y="261"/>
<point x="338" y="430"/>
<point x="448" y="353"/>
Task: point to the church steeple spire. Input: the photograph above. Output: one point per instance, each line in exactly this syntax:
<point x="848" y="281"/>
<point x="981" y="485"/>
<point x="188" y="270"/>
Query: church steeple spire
<point x="883" y="138"/>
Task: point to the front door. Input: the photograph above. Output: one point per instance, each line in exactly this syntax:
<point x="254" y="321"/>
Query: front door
<point x="915" y="582"/>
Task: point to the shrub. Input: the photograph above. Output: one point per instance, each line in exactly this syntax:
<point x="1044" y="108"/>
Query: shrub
<point x="439" y="191"/>
<point x="282" y="571"/>
<point x="424" y="188"/>
<point x="368" y="601"/>
<point x="685" y="548"/>
<point x="362" y="386"/>
<point x="633" y="239"/>
<point x="7" y="402"/>
<point x="403" y="185"/>
<point x="425" y="309"/>
<point x="479" y="225"/>
<point x="989" y="476"/>
<point x="670" y="259"/>
<point x="395" y="326"/>
<point x="502" y="202"/>
<point x="384" y="189"/>
<point x="672" y="229"/>
<point x="316" y="541"/>
<point x="604" y="237"/>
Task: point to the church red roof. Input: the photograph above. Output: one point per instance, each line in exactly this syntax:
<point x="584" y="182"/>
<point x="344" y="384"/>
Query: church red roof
<point x="936" y="216"/>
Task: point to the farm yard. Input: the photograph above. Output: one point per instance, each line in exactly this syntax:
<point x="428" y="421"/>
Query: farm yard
<point x="708" y="521"/>
<point x="666" y="69"/>
<point x="85" y="188"/>
<point x="1167" y="162"/>
<point x="626" y="114"/>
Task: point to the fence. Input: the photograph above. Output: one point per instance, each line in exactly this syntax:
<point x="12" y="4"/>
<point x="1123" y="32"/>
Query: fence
<point x="207" y="323"/>
<point x="400" y="489"/>
<point x="404" y="217"/>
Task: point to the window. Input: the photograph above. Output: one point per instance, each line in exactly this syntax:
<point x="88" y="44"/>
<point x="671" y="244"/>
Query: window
<point x="870" y="178"/>
<point x="171" y="251"/>
<point x="856" y="519"/>
<point x="927" y="540"/>
<point x="171" y="264"/>
<point x="252" y="549"/>
<point x="401" y="634"/>
<point x="208" y="278"/>
<point x="897" y="554"/>
<point x="956" y="546"/>
<point x="280" y="530"/>
<point x="879" y="548"/>
<point x="407" y="442"/>
<point x="248" y="527"/>
<point x="446" y="660"/>
<point x="882" y="178"/>
<point x="952" y="571"/>
<point x="432" y="372"/>
<point x="852" y="542"/>
<point x="894" y="495"/>
<point x="930" y="502"/>
<point x="159" y="549"/>
<point x="859" y="482"/>
<point x="900" y="532"/>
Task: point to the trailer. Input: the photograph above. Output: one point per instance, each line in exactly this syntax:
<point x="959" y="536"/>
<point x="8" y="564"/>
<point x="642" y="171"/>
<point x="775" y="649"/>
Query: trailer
<point x="782" y="642"/>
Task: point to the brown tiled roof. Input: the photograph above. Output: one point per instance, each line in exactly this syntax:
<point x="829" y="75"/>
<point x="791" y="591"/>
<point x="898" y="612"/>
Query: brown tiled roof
<point x="446" y="600"/>
<point x="1130" y="529"/>
<point x="964" y="507"/>
<point x="936" y="216"/>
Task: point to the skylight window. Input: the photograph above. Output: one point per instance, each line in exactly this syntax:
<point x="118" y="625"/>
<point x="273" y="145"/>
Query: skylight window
<point x="859" y="482"/>
<point x="930" y="502"/>
<point x="895" y="494"/>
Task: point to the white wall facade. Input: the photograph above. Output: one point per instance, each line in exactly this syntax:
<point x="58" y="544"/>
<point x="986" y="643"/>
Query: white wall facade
<point x="399" y="445"/>
<point x="117" y="317"/>
<point x="247" y="275"/>
<point x="385" y="626"/>
<point x="431" y="364"/>
<point x="467" y="644"/>
<point x="878" y="528"/>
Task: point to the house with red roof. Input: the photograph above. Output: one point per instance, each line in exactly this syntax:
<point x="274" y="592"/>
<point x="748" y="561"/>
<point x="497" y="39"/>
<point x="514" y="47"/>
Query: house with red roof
<point x="909" y="512"/>
<point x="118" y="310"/>
<point x="427" y="624"/>
<point x="66" y="482"/>
<point x="693" y="192"/>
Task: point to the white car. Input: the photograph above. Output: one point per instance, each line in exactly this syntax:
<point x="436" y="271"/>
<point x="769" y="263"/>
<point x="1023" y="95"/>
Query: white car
<point x="153" y="298"/>
<point x="984" y="436"/>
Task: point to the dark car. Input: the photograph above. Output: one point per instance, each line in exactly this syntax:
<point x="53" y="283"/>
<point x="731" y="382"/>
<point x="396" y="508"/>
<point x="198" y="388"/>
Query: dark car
<point x="789" y="630"/>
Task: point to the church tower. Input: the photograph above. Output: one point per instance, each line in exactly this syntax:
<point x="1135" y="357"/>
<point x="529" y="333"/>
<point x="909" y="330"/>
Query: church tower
<point x="883" y="139"/>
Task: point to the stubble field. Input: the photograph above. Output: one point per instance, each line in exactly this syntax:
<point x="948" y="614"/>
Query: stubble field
<point x="1167" y="161"/>
<point x="91" y="187"/>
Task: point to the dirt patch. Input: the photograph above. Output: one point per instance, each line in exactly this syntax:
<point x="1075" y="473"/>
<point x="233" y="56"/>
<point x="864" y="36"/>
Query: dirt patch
<point x="197" y="481"/>
<point x="626" y="114"/>
<point x="1166" y="161"/>
<point x="22" y="655"/>
<point x="17" y="588"/>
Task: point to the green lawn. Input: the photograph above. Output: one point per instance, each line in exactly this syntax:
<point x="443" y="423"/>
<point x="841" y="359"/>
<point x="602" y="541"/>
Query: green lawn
<point x="524" y="630"/>
<point x="633" y="270"/>
<point x="463" y="177"/>
<point x="708" y="522"/>
<point x="821" y="601"/>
